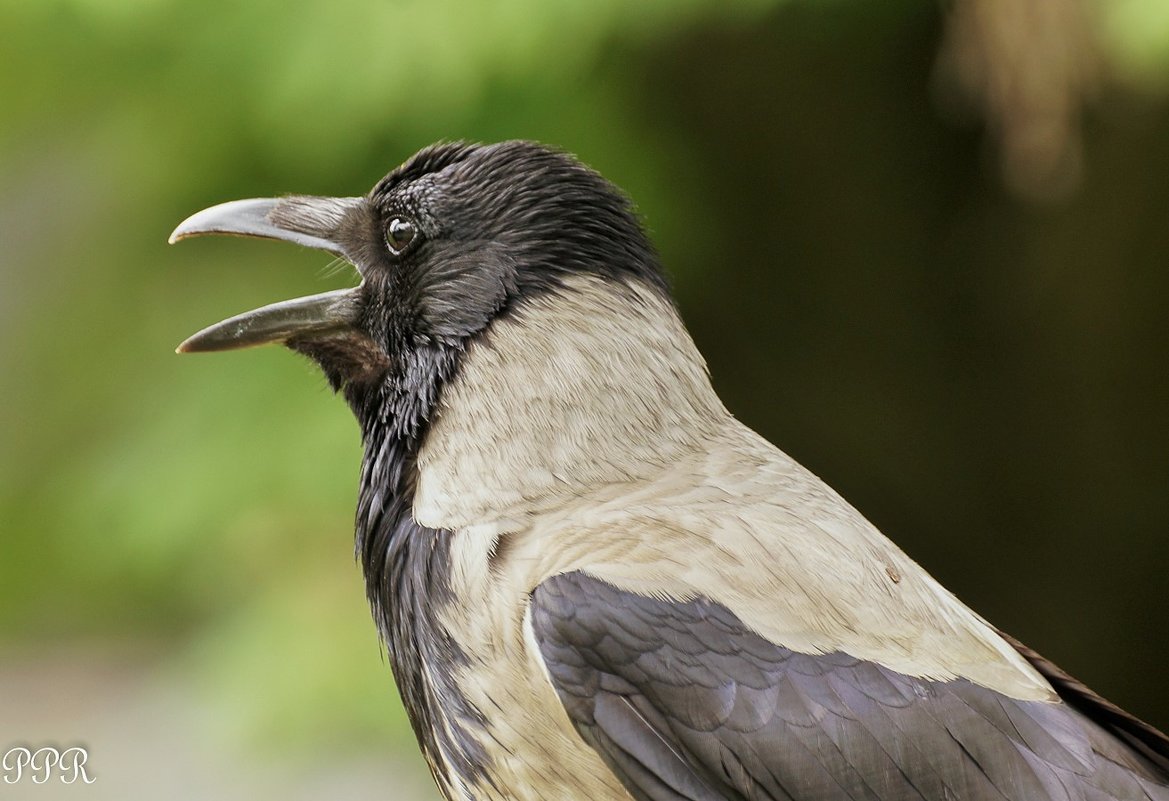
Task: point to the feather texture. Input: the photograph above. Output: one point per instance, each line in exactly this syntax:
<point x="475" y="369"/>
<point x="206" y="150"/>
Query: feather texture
<point x="684" y="701"/>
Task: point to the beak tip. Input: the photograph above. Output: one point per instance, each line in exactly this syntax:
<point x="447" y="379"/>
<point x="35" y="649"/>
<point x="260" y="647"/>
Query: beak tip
<point x="188" y="228"/>
<point x="182" y="231"/>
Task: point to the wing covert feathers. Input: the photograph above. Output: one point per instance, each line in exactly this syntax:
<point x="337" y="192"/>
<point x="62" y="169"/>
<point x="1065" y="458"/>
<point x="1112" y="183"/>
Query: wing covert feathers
<point x="683" y="701"/>
<point x="1146" y="739"/>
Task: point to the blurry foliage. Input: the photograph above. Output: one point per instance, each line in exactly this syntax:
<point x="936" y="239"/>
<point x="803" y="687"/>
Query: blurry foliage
<point x="1136" y="34"/>
<point x="1027" y="67"/>
<point x="867" y="296"/>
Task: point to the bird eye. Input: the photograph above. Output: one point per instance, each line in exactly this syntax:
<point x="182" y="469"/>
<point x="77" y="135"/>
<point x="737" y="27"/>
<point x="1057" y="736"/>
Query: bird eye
<point x="399" y="234"/>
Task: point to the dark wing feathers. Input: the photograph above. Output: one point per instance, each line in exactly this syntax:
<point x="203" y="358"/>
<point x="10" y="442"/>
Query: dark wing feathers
<point x="1150" y="742"/>
<point x="683" y="701"/>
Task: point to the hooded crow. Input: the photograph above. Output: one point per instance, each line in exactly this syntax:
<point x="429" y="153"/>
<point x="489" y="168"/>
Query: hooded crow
<point x="592" y="581"/>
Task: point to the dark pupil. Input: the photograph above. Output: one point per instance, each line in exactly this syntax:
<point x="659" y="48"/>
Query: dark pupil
<point x="401" y="232"/>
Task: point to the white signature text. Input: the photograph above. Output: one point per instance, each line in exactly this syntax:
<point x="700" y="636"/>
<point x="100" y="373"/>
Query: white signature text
<point x="43" y="763"/>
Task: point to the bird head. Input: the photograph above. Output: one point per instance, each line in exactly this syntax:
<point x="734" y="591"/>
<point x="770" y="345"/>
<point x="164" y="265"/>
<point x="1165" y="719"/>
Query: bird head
<point x="517" y="271"/>
<point x="445" y="243"/>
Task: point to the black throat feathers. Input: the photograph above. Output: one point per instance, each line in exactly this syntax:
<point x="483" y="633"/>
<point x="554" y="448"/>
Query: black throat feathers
<point x="407" y="566"/>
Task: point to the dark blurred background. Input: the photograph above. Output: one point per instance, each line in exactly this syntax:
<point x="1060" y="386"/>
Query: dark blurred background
<point x="924" y="247"/>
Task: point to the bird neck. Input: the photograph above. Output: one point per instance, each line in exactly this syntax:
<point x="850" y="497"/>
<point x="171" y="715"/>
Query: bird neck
<point x="406" y="565"/>
<point x="594" y="384"/>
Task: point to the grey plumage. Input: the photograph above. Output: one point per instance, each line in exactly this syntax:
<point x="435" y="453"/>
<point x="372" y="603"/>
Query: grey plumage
<point x="685" y="701"/>
<point x="592" y="581"/>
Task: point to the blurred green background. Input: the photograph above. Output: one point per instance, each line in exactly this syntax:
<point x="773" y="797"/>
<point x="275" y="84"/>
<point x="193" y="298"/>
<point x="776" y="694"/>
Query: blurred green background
<point x="923" y="245"/>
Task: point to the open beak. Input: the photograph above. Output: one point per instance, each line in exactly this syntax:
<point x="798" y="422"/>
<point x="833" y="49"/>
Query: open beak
<point x="315" y="222"/>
